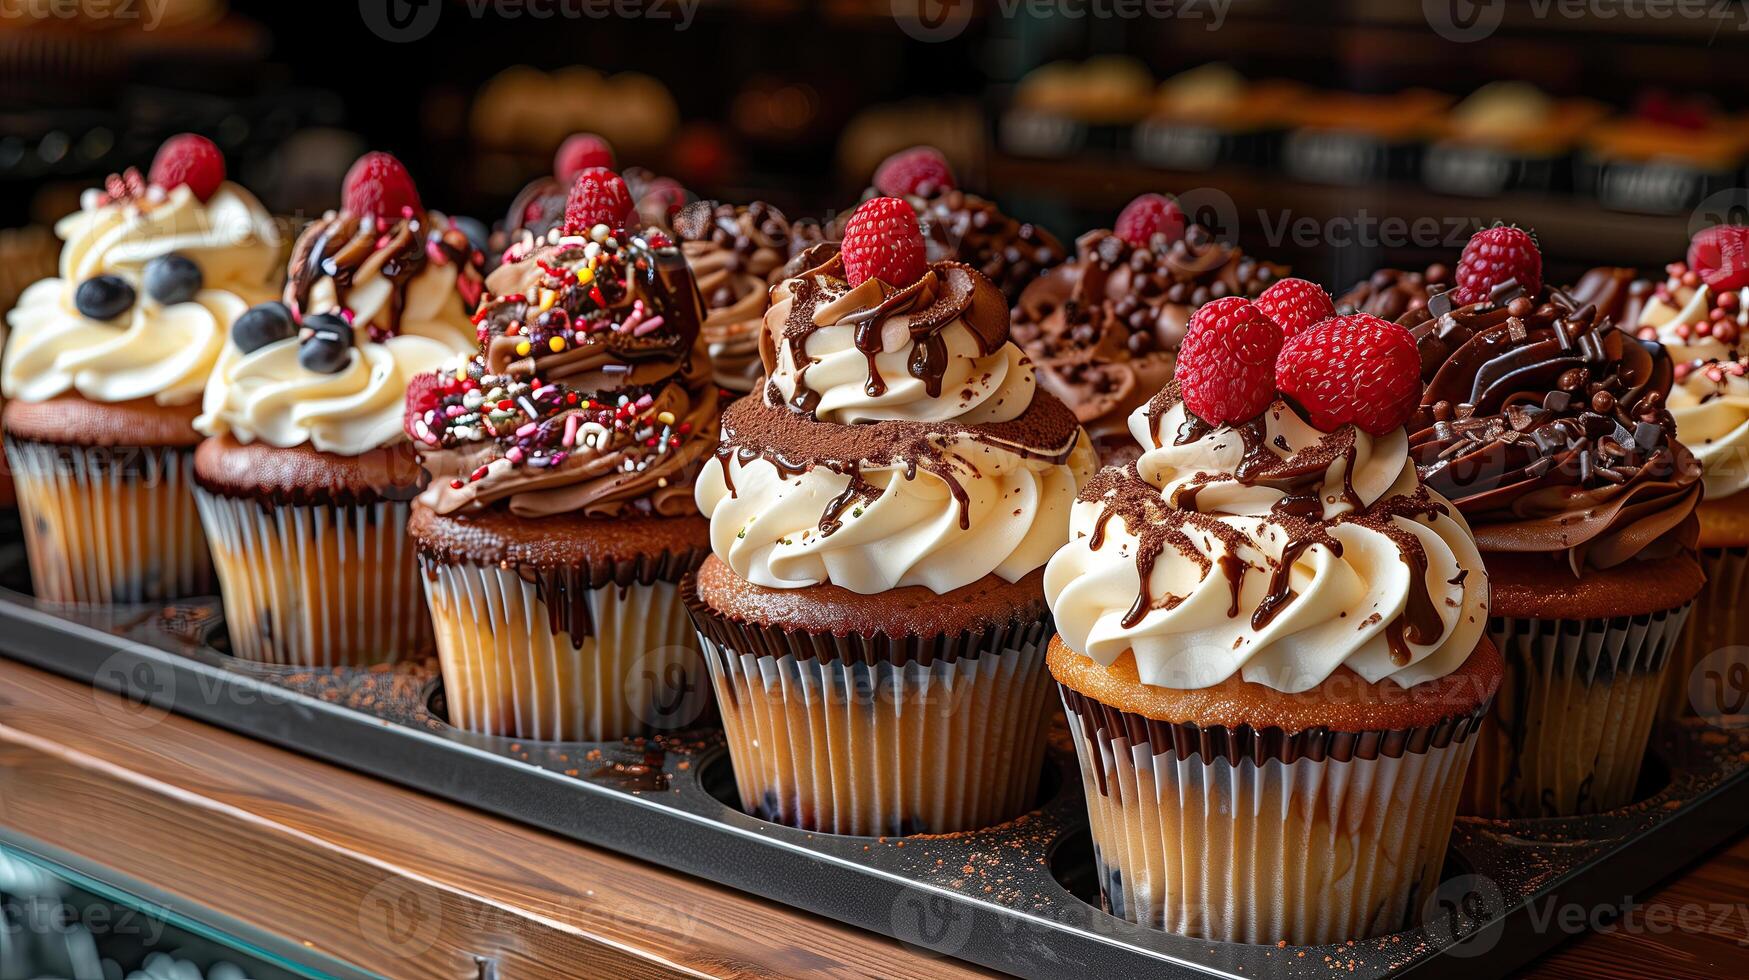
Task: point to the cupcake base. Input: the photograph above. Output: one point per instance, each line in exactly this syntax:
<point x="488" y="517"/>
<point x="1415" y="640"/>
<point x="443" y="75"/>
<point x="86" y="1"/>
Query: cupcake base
<point x="315" y="562"/>
<point x="842" y="720"/>
<point x="1248" y="834"/>
<point x="563" y="628"/>
<point x="111" y="520"/>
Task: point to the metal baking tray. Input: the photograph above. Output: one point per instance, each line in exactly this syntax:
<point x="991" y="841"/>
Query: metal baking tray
<point x="1021" y="897"/>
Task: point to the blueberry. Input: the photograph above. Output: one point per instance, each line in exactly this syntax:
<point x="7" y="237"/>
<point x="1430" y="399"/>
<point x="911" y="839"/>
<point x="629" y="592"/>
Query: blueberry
<point x="262" y="325"/>
<point x="328" y="346"/>
<point x="104" y="297"/>
<point x="172" y="279"/>
<point x="476" y="231"/>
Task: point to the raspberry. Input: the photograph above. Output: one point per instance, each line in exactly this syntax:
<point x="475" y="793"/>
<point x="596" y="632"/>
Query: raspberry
<point x="1495" y="255"/>
<point x="921" y="171"/>
<point x="192" y="160"/>
<point x="1147" y="216"/>
<point x="1226" y="364"/>
<point x="667" y="193"/>
<point x="1720" y="255"/>
<point x="1355" y="369"/>
<point x="599" y="197"/>
<point x="578" y="153"/>
<point x="1295" y="304"/>
<point x="379" y="186"/>
<point x="882" y="241"/>
<point x="424" y="391"/>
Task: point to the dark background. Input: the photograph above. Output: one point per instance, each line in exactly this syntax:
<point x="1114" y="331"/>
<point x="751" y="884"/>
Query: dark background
<point x="766" y="90"/>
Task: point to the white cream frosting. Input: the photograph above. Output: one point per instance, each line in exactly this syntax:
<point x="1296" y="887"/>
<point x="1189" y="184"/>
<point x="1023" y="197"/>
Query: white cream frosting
<point x="164" y="352"/>
<point x="1343" y="603"/>
<point x="1712" y="420"/>
<point x="976" y="388"/>
<point x="268" y="395"/>
<point x="905" y="528"/>
<point x="1711" y="404"/>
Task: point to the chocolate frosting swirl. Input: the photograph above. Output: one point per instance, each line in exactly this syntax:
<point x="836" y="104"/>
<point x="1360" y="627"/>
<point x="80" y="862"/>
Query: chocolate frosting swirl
<point x="1104" y="327"/>
<point x="1547" y="427"/>
<point x="343" y="250"/>
<point x="590" y="393"/>
<point x="737" y="253"/>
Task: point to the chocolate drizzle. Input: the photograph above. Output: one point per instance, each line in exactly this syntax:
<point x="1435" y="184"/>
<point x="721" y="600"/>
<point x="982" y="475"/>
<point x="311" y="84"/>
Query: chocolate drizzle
<point x="342" y="247"/>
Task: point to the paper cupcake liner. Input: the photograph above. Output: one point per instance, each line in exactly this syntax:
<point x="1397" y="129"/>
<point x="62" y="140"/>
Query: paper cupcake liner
<point x="1245" y="836"/>
<point x="317" y="586"/>
<point x="1720" y="620"/>
<point x="1569" y="727"/>
<point x="514" y="667"/>
<point x="871" y="735"/>
<point x="107" y="524"/>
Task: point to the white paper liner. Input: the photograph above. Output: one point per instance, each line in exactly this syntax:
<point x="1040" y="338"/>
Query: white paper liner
<point x="317" y="586"/>
<point x="1308" y="852"/>
<point x="851" y="747"/>
<point x="110" y="524"/>
<point x="1718" y="621"/>
<point x="506" y="672"/>
<point x="1568" y="729"/>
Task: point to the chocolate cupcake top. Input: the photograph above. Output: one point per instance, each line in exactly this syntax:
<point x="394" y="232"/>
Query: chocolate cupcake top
<point x="1702" y="325"/>
<point x="378" y="292"/>
<point x="900" y="439"/>
<point x="1103" y="328"/>
<point x="1271" y="550"/>
<point x="1549" y="428"/>
<point x="153" y="273"/>
<point x="590" y="391"/>
<point x="1390" y="293"/>
<point x="736" y="253"/>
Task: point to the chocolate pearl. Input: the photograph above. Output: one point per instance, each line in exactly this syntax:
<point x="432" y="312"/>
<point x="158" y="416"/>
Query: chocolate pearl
<point x="1437" y="273"/>
<point x="1086" y="333"/>
<point x="1519" y="307"/>
<point x="1442" y="411"/>
<point x="1140" y="343"/>
<point x="1603" y="403"/>
<point x="1573" y="379"/>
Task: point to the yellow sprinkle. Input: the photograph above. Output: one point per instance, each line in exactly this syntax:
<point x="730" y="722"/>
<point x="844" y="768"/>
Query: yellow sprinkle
<point x="557" y="344"/>
<point x="666" y="418"/>
<point x="461" y="374"/>
<point x="585" y="276"/>
<point x="522" y="349"/>
<point x="547" y="297"/>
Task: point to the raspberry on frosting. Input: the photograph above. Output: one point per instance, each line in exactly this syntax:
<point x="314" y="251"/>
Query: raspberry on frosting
<point x="921" y="171"/>
<point x="378" y="186"/>
<point x="1147" y="216"/>
<point x="578" y="153"/>
<point x="1355" y="369"/>
<point x="1226" y="365"/>
<point x="1295" y="305"/>
<point x="1720" y="256"/>
<point x="191" y="160"/>
<point x="1495" y="255"/>
<point x="883" y="241"/>
<point x="598" y="197"/>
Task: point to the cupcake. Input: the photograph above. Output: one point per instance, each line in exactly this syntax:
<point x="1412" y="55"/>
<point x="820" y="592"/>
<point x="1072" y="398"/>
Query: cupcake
<point x="559" y="518"/>
<point x="305" y="480"/>
<point x="1548" y="429"/>
<point x="1271" y="642"/>
<point x="962" y="227"/>
<point x="1102" y="328"/>
<point x="872" y="614"/>
<point x="104" y="370"/>
<point x="1700" y="314"/>
<point x="736" y="253"/>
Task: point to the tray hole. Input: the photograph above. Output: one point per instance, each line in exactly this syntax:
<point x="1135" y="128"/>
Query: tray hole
<point x="1655" y="778"/>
